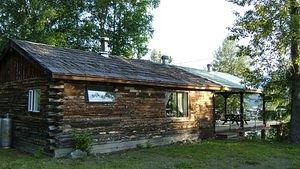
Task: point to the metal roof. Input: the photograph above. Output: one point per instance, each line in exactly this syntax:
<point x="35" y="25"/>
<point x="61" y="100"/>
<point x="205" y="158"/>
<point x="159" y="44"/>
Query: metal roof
<point x="224" y="79"/>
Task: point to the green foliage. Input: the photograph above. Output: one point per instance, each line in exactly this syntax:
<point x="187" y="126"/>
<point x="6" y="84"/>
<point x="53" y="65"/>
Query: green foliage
<point x="228" y="59"/>
<point x="271" y="134"/>
<point x="80" y="23"/>
<point x="155" y="56"/>
<point x="148" y="144"/>
<point x="281" y="133"/>
<point x="286" y="134"/>
<point x="267" y="24"/>
<point x="140" y="146"/>
<point x="82" y="141"/>
<point x="277" y="92"/>
<point x="253" y="135"/>
<point x="38" y="153"/>
<point x="233" y="104"/>
<point x="145" y="145"/>
<point x="272" y="29"/>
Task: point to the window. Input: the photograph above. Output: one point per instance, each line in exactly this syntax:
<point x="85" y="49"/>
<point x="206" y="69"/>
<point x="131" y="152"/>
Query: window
<point x="34" y="97"/>
<point x="100" y="95"/>
<point x="176" y="104"/>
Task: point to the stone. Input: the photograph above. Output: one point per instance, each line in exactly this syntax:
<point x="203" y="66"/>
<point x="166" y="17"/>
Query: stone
<point x="78" y="154"/>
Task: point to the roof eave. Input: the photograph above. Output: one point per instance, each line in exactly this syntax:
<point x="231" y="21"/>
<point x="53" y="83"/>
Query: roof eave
<point x="239" y="90"/>
<point x="12" y="44"/>
<point x="134" y="82"/>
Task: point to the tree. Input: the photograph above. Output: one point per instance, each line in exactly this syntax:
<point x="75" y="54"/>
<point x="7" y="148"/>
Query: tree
<point x="227" y="60"/>
<point x="80" y="23"/>
<point x="155" y="56"/>
<point x="28" y="20"/>
<point x="273" y="29"/>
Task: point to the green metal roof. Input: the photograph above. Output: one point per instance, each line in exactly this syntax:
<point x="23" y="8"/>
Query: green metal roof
<point x="223" y="79"/>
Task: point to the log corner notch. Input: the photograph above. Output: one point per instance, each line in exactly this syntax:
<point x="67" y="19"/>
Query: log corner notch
<point x="54" y="114"/>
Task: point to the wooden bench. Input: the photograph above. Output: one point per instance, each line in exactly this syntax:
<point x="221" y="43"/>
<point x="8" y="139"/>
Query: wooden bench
<point x="233" y="118"/>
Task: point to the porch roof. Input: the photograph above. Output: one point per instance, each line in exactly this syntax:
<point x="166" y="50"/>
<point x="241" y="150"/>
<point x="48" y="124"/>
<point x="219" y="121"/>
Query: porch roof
<point x="230" y="83"/>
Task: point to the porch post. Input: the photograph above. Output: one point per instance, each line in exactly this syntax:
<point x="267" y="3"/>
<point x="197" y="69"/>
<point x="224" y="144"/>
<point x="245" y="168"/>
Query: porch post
<point x="264" y="110"/>
<point x="242" y="109"/>
<point x="225" y="103"/>
<point x="214" y="113"/>
<point x="263" y="131"/>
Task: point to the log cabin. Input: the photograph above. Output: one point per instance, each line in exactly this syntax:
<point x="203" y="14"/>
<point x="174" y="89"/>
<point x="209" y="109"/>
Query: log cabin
<point x="50" y="92"/>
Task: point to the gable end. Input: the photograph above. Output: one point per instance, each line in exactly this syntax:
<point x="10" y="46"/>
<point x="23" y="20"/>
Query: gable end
<point x="14" y="66"/>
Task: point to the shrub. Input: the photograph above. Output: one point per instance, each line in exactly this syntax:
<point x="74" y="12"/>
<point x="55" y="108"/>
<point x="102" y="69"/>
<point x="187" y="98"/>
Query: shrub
<point x="82" y="141"/>
<point x="148" y="144"/>
<point x="279" y="134"/>
<point x="253" y="135"/>
<point x="286" y="131"/>
<point x="271" y="134"/>
<point x="38" y="153"/>
<point x="144" y="145"/>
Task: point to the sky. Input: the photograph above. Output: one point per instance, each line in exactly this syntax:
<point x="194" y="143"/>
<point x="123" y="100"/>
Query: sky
<point x="191" y="30"/>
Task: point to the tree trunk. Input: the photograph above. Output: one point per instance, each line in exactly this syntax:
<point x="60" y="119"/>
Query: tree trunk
<point x="295" y="115"/>
<point x="295" y="80"/>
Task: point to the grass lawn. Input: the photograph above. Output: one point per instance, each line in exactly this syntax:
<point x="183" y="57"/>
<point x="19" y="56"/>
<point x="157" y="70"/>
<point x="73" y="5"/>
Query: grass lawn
<point x="207" y="154"/>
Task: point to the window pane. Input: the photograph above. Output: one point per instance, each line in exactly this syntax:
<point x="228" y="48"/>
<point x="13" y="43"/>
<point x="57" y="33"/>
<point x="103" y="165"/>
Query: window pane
<point x="185" y="104"/>
<point x="34" y="100"/>
<point x="173" y="105"/>
<point x="176" y="104"/>
<point x="168" y="104"/>
<point x="37" y="98"/>
<point x="180" y="105"/>
<point x="100" y="96"/>
<point x="30" y="95"/>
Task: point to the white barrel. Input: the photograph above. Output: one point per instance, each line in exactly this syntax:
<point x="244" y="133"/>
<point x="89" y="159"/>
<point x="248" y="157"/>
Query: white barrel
<point x="6" y="131"/>
<point x="0" y="132"/>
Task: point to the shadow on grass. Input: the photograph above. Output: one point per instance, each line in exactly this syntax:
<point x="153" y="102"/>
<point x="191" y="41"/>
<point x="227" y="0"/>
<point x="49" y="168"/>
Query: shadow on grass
<point x="206" y="154"/>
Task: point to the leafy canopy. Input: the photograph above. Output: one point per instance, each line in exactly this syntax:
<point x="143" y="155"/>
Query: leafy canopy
<point x="155" y="56"/>
<point x="227" y="60"/>
<point x="273" y="30"/>
<point x="80" y="23"/>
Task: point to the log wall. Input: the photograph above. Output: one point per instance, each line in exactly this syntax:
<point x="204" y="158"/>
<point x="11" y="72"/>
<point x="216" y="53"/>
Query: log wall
<point x="14" y="67"/>
<point x="137" y="115"/>
<point x="29" y="128"/>
<point x="18" y="74"/>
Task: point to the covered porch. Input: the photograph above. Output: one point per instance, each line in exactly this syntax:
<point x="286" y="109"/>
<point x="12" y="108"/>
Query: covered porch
<point x="241" y="118"/>
<point x="244" y="117"/>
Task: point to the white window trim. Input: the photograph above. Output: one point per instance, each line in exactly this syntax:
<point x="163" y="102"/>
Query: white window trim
<point x="186" y="117"/>
<point x="33" y="102"/>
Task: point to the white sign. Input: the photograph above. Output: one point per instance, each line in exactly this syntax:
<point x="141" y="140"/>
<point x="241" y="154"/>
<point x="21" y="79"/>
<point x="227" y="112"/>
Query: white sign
<point x="100" y="96"/>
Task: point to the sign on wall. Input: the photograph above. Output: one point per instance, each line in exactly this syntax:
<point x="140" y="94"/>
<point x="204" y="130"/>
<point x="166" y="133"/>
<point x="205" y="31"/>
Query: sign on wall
<point x="100" y="96"/>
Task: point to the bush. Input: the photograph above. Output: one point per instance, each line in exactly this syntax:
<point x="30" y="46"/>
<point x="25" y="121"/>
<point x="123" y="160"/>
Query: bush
<point x="281" y="135"/>
<point x="82" y="141"/>
<point x="38" y="153"/>
<point x="253" y="135"/>
<point x="271" y="134"/>
<point x="285" y="132"/>
<point x="145" y="145"/>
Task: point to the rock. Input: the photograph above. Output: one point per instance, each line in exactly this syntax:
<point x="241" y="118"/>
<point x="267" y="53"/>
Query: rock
<point x="78" y="154"/>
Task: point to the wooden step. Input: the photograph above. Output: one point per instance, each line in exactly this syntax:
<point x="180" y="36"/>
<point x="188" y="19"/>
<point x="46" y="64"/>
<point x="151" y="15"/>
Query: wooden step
<point x="225" y="136"/>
